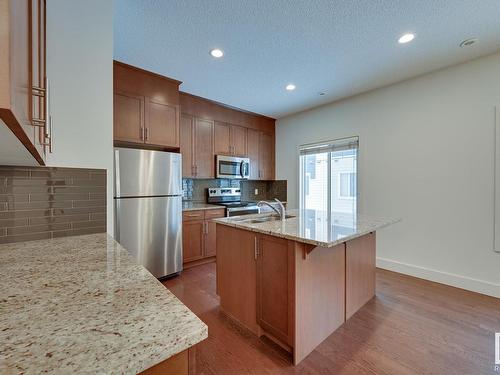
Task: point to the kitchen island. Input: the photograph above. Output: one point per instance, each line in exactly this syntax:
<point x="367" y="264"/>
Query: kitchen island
<point x="299" y="279"/>
<point x="83" y="305"/>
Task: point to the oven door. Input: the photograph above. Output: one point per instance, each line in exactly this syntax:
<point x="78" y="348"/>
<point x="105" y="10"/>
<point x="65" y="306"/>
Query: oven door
<point x="232" y="167"/>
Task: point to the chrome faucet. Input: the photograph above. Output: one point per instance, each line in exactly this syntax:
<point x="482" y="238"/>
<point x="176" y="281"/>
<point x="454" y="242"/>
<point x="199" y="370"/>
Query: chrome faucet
<point x="280" y="211"/>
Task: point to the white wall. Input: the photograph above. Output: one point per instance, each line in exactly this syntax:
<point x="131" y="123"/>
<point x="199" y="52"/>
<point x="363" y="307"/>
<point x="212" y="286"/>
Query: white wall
<point x="426" y="156"/>
<point x="80" y="70"/>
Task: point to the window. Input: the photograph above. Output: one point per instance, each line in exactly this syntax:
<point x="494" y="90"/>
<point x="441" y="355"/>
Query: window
<point x="328" y="176"/>
<point x="347" y="187"/>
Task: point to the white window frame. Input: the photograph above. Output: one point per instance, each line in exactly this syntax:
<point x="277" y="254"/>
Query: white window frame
<point x="301" y="191"/>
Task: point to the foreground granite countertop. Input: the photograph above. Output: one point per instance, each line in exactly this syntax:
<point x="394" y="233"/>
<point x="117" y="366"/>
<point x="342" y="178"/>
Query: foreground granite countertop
<point x="193" y="206"/>
<point x="314" y="227"/>
<point x="82" y="305"/>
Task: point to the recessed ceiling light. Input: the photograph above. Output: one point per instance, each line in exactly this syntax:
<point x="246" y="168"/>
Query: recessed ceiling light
<point x="217" y="53"/>
<point x="290" y="87"/>
<point x="468" y="42"/>
<point x="406" y="38"/>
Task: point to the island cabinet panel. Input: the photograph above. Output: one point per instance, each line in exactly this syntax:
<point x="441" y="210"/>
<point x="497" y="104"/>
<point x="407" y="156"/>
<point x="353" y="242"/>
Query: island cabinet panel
<point x="319" y="296"/>
<point x="183" y="363"/>
<point x="236" y="275"/>
<point x="360" y="272"/>
<point x="275" y="287"/>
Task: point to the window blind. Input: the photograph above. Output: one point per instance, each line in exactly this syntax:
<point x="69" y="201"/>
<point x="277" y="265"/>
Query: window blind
<point x="332" y="146"/>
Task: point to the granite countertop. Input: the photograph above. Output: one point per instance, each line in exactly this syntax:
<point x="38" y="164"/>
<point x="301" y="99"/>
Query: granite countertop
<point x="193" y="206"/>
<point x="311" y="226"/>
<point x="82" y="305"/>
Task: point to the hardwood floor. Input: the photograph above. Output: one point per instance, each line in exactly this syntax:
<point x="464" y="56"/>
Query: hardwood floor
<point x="412" y="326"/>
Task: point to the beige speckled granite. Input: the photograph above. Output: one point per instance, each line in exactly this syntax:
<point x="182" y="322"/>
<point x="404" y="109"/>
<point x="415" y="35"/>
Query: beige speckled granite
<point x="193" y="206"/>
<point x="82" y="305"/>
<point x="311" y="226"/>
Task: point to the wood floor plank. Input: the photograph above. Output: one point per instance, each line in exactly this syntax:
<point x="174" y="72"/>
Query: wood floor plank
<point x="412" y="326"/>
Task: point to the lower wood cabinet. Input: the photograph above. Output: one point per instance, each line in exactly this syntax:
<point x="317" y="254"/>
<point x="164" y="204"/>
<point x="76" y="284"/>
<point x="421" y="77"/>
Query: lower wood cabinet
<point x="198" y="235"/>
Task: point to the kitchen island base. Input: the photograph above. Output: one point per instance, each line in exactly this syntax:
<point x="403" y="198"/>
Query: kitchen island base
<point x="294" y="293"/>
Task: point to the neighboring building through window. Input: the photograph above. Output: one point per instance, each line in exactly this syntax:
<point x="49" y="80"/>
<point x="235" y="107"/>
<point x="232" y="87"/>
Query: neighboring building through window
<point x="328" y="176"/>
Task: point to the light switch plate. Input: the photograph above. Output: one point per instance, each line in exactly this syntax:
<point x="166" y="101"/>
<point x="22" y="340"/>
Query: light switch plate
<point x="256" y="192"/>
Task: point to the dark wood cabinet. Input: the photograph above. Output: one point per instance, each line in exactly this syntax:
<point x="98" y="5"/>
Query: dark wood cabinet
<point x="23" y="93"/>
<point x="146" y="108"/>
<point x="199" y="234"/>
<point x="275" y="287"/>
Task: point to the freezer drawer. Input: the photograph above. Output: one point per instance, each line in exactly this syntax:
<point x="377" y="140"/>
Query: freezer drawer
<point x="150" y="228"/>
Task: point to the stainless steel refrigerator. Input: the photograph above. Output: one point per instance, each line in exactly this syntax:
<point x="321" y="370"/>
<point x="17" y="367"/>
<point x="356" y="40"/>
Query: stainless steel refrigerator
<point x="148" y="208"/>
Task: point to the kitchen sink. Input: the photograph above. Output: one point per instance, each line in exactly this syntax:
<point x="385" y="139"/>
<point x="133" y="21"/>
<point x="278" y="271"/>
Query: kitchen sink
<point x="265" y="219"/>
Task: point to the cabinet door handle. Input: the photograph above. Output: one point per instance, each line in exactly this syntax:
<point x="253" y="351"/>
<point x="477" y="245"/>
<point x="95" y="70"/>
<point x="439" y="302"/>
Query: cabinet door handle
<point x="147" y="134"/>
<point x="141" y="133"/>
<point x="256" y="249"/>
<point x="206" y="227"/>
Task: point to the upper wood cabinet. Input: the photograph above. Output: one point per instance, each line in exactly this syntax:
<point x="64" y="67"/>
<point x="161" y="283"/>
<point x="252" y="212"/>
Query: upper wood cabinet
<point x="266" y="156"/>
<point x="23" y="94"/>
<point x="146" y="108"/>
<point x="235" y="133"/>
<point x="128" y="117"/>
<point x="204" y="148"/>
<point x="162" y="121"/>
<point x="230" y="139"/>
<point x="253" y="141"/>
<point x="222" y="138"/>
<point x="197" y="147"/>
<point x="239" y="140"/>
<point x="186" y="143"/>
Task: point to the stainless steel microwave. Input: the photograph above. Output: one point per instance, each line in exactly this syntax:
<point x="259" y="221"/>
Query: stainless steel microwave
<point x="232" y="167"/>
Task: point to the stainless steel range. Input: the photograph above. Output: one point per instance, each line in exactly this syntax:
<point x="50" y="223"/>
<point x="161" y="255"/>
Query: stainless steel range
<point x="231" y="199"/>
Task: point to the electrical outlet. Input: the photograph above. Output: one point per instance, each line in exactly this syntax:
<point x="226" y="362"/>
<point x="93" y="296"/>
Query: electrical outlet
<point x="256" y="192"/>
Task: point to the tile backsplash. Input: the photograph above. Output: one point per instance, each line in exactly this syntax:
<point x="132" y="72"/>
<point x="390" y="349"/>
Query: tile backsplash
<point x="195" y="190"/>
<point x="42" y="202"/>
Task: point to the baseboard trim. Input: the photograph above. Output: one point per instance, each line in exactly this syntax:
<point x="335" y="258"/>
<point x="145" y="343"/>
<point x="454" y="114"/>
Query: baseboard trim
<point x="467" y="283"/>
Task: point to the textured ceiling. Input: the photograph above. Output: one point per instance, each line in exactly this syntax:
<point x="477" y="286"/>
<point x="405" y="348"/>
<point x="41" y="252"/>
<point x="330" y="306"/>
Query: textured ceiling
<point x="340" y="47"/>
